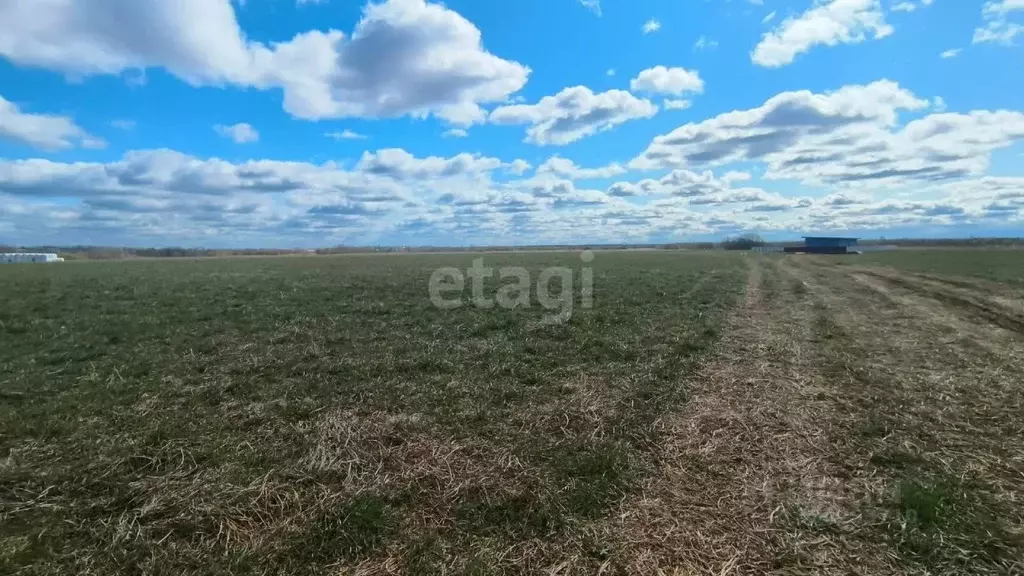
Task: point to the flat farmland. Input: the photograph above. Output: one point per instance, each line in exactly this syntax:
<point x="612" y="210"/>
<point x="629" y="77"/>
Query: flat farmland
<point x="709" y="413"/>
<point x="1004" y="266"/>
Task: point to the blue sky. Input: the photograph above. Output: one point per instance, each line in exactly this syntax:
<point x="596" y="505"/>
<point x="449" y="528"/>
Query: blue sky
<point x="303" y="123"/>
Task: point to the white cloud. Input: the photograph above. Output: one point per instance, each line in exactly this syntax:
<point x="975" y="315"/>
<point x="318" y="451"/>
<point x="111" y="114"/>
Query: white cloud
<point x="935" y="148"/>
<point x="681" y="183"/>
<point x="518" y="167"/>
<point x="122" y="124"/>
<point x="567" y="168"/>
<point x="455" y="133"/>
<point x="405" y="57"/>
<point x="664" y="80"/>
<point x="676" y="104"/>
<point x="159" y="172"/>
<point x="384" y="176"/>
<point x="705" y="43"/>
<point x="686" y="188"/>
<point x="904" y="7"/>
<point x="610" y="72"/>
<point x="573" y="113"/>
<point x="161" y="196"/>
<point x="240" y="133"/>
<point x="399" y="164"/>
<point x="45" y="131"/>
<point x="1000" y="7"/>
<point x="650" y="26"/>
<point x="346" y="135"/>
<point x="780" y="123"/>
<point x="592" y="5"/>
<point x="156" y="195"/>
<point x="998" y="28"/>
<point x="849" y="137"/>
<point x="827" y="24"/>
<point x="951" y="53"/>
<point x="768" y="17"/>
<point x="998" y="32"/>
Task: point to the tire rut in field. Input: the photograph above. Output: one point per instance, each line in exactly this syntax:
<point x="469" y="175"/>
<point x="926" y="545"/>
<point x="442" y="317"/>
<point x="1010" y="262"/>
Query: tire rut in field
<point x="931" y="429"/>
<point x="997" y="342"/>
<point x="1001" y="312"/>
<point x="748" y="485"/>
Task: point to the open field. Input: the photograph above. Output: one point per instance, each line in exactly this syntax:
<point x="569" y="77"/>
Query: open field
<point x="998" y="265"/>
<point x="712" y="413"/>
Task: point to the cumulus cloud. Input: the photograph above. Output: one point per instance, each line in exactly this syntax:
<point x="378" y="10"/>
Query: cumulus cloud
<point x="705" y="43"/>
<point x="840" y="199"/>
<point x="567" y="168"/>
<point x="573" y="113"/>
<point x="167" y="194"/>
<point x="938" y="147"/>
<point x="161" y="196"/>
<point x="592" y="5"/>
<point x="386" y="175"/>
<point x="781" y="122"/>
<point x="676" y="104"/>
<point x="998" y="27"/>
<point x="164" y="196"/>
<point x="650" y="26"/>
<point x="844" y="135"/>
<point x="405" y="57"/>
<point x="346" y="135"/>
<point x="662" y="80"/>
<point x="701" y="188"/>
<point x="741" y="196"/>
<point x="849" y="136"/>
<point x="1002" y="7"/>
<point x="581" y="198"/>
<point x="45" y="131"/>
<point x="826" y="24"/>
<point x="240" y="133"/>
<point x="401" y="165"/>
<point x="518" y="166"/>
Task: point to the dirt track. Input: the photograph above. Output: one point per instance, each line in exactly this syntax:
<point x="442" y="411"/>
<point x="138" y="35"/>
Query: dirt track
<point x="854" y="420"/>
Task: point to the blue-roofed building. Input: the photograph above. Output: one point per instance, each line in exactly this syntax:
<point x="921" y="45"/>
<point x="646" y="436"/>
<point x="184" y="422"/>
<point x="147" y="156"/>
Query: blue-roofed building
<point x="826" y="245"/>
<point x="829" y="242"/>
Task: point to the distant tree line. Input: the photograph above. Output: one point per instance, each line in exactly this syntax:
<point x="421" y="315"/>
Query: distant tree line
<point x="742" y="242"/>
<point x="115" y="253"/>
<point x="739" y="242"/>
<point x="948" y="242"/>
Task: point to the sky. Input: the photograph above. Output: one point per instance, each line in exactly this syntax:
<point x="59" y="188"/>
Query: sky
<point x="309" y="123"/>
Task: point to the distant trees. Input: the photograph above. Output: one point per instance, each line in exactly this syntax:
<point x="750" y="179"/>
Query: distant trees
<point x="742" y="242"/>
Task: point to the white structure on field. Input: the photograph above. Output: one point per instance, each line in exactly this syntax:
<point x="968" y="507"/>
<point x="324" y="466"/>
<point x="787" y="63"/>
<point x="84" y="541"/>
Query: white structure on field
<point x="16" y="257"/>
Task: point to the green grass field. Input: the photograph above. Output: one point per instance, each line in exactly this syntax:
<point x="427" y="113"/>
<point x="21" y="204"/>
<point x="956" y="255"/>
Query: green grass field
<point x="1002" y="265"/>
<point x="289" y="414"/>
<point x="710" y="413"/>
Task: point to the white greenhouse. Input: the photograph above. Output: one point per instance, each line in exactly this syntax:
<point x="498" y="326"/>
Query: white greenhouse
<point x="16" y="257"/>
